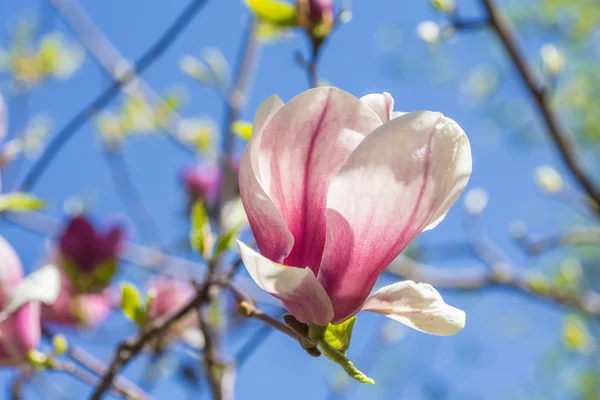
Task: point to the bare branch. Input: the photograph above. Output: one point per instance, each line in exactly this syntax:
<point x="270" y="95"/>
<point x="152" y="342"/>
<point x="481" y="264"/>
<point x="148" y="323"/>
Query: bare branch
<point x="559" y="135"/>
<point x="145" y="61"/>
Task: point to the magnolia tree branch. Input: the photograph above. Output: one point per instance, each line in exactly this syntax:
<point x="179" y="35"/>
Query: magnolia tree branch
<point x="234" y="102"/>
<point x="109" y="58"/>
<point x="121" y="386"/>
<point x="130" y="197"/>
<point x="130" y="348"/>
<point x="80" y="119"/>
<point x="583" y="236"/>
<point x="559" y="135"/>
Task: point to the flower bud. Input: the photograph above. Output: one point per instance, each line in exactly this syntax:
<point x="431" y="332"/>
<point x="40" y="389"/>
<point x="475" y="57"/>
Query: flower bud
<point x="548" y="179"/>
<point x="86" y="248"/>
<point x="553" y="59"/>
<point x="202" y="182"/>
<point x="317" y="16"/>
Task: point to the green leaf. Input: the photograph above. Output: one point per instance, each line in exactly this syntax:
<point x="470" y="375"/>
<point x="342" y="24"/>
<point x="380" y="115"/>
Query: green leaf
<point x="131" y="303"/>
<point x="226" y="240"/>
<point x="243" y="129"/>
<point x="20" y="202"/>
<point x="274" y="12"/>
<point x="200" y="235"/>
<point x="104" y="273"/>
<point x="338" y="336"/>
<point x="447" y="6"/>
<point x="338" y="357"/>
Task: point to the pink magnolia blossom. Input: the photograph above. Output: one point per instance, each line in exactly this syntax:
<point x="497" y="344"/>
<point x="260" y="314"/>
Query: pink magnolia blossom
<point x="335" y="187"/>
<point x="169" y="296"/>
<point x="86" y="249"/>
<point x="20" y="332"/>
<point x="73" y="308"/>
<point x="320" y="10"/>
<point x="203" y="181"/>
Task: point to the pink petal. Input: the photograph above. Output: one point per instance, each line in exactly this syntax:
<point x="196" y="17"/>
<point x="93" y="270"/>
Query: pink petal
<point x="20" y="332"/>
<point x="402" y="177"/>
<point x="298" y="288"/>
<point x="302" y="147"/>
<point x="268" y="226"/>
<point x="417" y="305"/>
<point x="381" y="103"/>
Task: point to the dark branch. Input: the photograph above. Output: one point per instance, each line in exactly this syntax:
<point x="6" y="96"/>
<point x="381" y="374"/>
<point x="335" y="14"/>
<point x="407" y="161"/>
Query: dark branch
<point x="145" y="61"/>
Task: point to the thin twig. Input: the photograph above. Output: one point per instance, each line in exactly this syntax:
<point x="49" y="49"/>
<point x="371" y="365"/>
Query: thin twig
<point x="80" y="119"/>
<point x="109" y="58"/>
<point x="129" y="349"/>
<point x="235" y="100"/>
<point x="131" y="198"/>
<point x="560" y="136"/>
<point x="212" y="362"/>
<point x="97" y="367"/>
<point x="575" y="237"/>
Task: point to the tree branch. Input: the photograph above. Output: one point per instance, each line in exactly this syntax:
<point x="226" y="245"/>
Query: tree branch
<point x="129" y="349"/>
<point x="559" y="135"/>
<point x="145" y="61"/>
<point x="235" y="100"/>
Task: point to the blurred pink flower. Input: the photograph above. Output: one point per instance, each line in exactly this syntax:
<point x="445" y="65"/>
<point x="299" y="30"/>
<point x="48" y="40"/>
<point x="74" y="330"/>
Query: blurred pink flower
<point x="81" y="244"/>
<point x="73" y="308"/>
<point x="320" y="10"/>
<point x="20" y="332"/>
<point x="84" y="298"/>
<point x="335" y="187"/>
<point x="169" y="296"/>
<point x="203" y="181"/>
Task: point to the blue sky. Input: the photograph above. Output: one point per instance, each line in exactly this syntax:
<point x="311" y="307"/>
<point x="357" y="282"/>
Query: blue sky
<point x="500" y="352"/>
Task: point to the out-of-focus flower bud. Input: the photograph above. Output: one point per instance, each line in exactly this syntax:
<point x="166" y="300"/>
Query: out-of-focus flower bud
<point x="428" y="31"/>
<point x="548" y="179"/>
<point x="202" y="182"/>
<point x="553" y="59"/>
<point x="167" y="297"/>
<point x="73" y="308"/>
<point x="317" y="16"/>
<point x="87" y="259"/>
<point x="86" y="248"/>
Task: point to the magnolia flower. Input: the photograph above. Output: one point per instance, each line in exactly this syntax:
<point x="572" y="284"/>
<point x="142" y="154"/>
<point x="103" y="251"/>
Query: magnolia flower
<point x="20" y="332"/>
<point x="168" y="297"/>
<point x="203" y="181"/>
<point x="74" y="308"/>
<point x="19" y="302"/>
<point x="335" y="188"/>
<point x="87" y="248"/>
<point x="86" y="259"/>
<point x="317" y="15"/>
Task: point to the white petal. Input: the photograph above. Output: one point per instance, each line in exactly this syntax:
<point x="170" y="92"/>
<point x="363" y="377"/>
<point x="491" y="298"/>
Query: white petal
<point x="297" y="288"/>
<point x="381" y="103"/>
<point x="417" y="305"/>
<point x="42" y="285"/>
